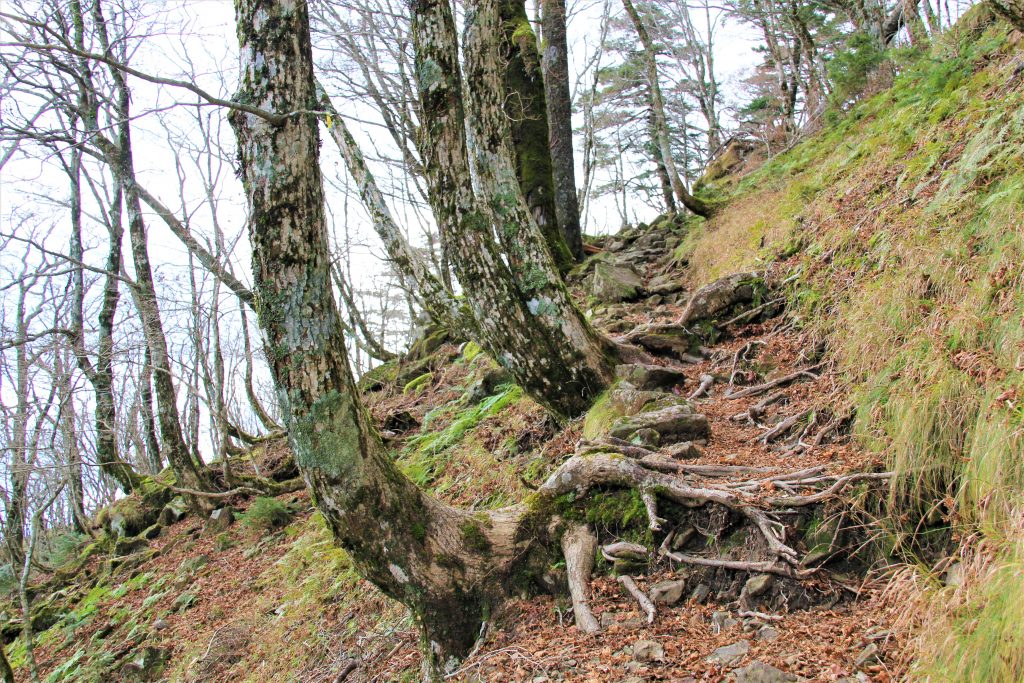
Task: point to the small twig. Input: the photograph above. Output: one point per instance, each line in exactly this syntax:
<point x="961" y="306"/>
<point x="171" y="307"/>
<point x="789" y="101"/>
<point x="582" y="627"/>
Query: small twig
<point x="645" y="603"/>
<point x="781" y="428"/>
<point x="761" y="388"/>
<point x="747" y="315"/>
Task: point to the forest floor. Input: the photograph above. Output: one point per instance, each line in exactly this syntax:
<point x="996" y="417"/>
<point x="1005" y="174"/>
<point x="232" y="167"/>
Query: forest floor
<point x="285" y="605"/>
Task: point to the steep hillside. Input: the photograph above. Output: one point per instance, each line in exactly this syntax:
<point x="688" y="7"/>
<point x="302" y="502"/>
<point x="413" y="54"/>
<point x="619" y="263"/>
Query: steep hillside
<point x="862" y="378"/>
<point x="900" y="230"/>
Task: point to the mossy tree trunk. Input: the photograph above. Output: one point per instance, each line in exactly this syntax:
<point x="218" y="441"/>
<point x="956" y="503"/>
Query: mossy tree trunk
<point x="450" y="567"/>
<point x="188" y="473"/>
<point x="525" y="318"/>
<point x="559" y="105"/>
<point x="525" y="104"/>
<point x="1010" y="10"/>
<point x="100" y="374"/>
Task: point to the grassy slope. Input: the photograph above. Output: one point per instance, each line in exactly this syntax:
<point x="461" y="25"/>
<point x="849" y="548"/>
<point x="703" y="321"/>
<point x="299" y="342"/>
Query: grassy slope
<point x="901" y="229"/>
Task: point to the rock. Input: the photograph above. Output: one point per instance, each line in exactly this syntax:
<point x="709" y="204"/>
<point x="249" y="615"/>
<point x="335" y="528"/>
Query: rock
<point x="667" y="592"/>
<point x="648" y="651"/>
<point x="188" y="569"/>
<point x="722" y="296"/>
<point x="486" y="385"/>
<point x="646" y="437"/>
<point x="684" y="450"/>
<point x="614" y="282"/>
<point x="822" y="538"/>
<point x="146" y="664"/>
<point x="185" y="601"/>
<point x="768" y="634"/>
<point x="758" y="585"/>
<point x="674" y="423"/>
<point x="868" y="655"/>
<point x="129" y="546"/>
<point x="220" y="520"/>
<point x="759" y="672"/>
<point x="399" y="421"/>
<point x="664" y="284"/>
<point x="174" y="511"/>
<point x="722" y="620"/>
<point x="700" y="593"/>
<point x="677" y="341"/>
<point x="649" y="377"/>
<point x="729" y="655"/>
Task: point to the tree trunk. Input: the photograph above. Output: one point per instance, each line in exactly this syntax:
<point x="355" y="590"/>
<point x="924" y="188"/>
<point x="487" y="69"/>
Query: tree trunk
<point x="437" y="300"/>
<point x="100" y="376"/>
<point x="525" y="318"/>
<point x="559" y="104"/>
<point x="187" y="474"/>
<point x="1010" y="10"/>
<point x="451" y="568"/>
<point x="662" y="139"/>
<point x="663" y="180"/>
<point x="525" y="106"/>
<point x="153" y="455"/>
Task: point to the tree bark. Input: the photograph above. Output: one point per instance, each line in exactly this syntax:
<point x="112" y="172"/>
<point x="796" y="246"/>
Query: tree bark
<point x="559" y="104"/>
<point x="1010" y="10"/>
<point x="187" y="474"/>
<point x="437" y="300"/>
<point x="450" y="567"/>
<point x="525" y="106"/>
<point x="100" y="376"/>
<point x="662" y="139"/>
<point x="525" y="318"/>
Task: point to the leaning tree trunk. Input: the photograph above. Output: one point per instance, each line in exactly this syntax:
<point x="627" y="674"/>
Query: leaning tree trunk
<point x="524" y="315"/>
<point x="100" y="375"/>
<point x="559" y="103"/>
<point x="524" y="103"/>
<point x="436" y="298"/>
<point x="187" y="474"/>
<point x="450" y="567"/>
<point x="662" y="139"/>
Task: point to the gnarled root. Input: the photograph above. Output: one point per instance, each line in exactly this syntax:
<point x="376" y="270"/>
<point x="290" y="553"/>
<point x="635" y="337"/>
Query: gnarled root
<point x="652" y="477"/>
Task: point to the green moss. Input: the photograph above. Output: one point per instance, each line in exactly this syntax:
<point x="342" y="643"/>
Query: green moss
<point x="474" y="536"/>
<point x="419" y="383"/>
<point x="471" y="351"/>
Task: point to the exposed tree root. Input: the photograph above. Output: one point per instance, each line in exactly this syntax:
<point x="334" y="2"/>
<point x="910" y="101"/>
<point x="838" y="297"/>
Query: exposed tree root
<point x="781" y="428"/>
<point x="645" y="603"/>
<point x="761" y="388"/>
<point x="705" y="384"/>
<point x="578" y="546"/>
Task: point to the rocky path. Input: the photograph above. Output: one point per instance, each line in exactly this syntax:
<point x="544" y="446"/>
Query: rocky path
<point x="754" y="569"/>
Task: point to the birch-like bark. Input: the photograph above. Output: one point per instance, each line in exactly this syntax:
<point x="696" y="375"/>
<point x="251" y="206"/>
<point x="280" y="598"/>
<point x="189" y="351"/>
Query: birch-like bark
<point x="436" y="299"/>
<point x="187" y="474"/>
